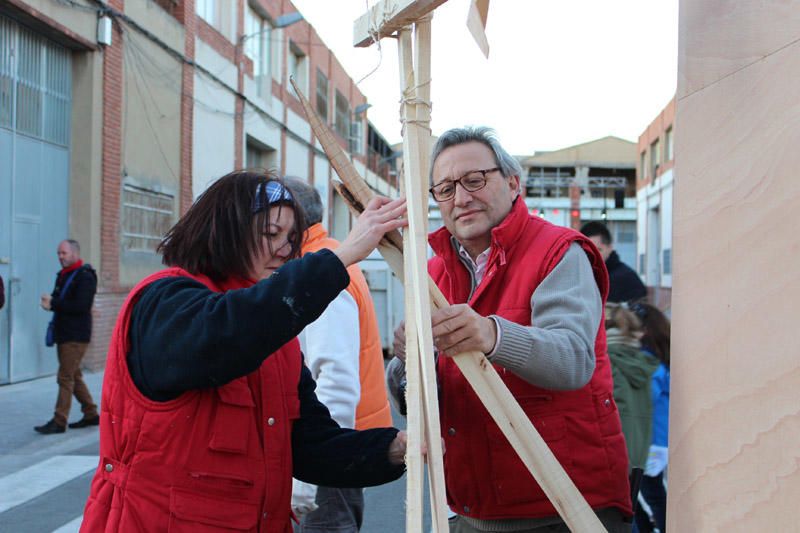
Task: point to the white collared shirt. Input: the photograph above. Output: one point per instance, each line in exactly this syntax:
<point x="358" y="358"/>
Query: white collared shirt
<point x="478" y="265"/>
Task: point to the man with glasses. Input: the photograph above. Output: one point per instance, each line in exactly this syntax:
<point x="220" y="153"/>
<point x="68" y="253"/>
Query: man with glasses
<point x="530" y="296"/>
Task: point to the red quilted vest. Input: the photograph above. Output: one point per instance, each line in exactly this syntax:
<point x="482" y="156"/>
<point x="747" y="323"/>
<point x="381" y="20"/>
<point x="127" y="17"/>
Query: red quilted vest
<point x="208" y="460"/>
<point x="485" y="478"/>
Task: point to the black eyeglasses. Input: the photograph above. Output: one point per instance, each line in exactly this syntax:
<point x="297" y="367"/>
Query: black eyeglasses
<point x="472" y="181"/>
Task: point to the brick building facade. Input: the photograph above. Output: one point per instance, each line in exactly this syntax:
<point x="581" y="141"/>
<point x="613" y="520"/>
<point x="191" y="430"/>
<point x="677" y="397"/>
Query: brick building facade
<point x="168" y="95"/>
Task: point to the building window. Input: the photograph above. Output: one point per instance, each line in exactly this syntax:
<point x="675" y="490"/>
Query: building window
<point x="643" y="165"/>
<point x="41" y="72"/>
<point x="298" y="67"/>
<point x="655" y="158"/>
<point x="218" y="13"/>
<point x="342" y="119"/>
<point x="668" y="154"/>
<point x="356" y="137"/>
<point x="322" y="96"/>
<point x="258" y="155"/>
<point x="146" y="217"/>
<point x="276" y="60"/>
<point x="667" y="263"/>
<point x="257" y="47"/>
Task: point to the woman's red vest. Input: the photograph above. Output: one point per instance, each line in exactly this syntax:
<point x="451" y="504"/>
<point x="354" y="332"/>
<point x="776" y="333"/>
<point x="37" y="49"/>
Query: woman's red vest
<point x="209" y="460"/>
<point x="485" y="477"/>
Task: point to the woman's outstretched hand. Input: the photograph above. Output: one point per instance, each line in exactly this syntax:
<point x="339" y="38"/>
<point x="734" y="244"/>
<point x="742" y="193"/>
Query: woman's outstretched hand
<point x="380" y="216"/>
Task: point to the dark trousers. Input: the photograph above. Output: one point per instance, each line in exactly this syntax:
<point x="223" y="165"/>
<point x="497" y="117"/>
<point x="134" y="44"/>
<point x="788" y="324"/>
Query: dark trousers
<point x="611" y="519"/>
<point x="655" y="495"/>
<point x="339" y="510"/>
<point x="70" y="381"/>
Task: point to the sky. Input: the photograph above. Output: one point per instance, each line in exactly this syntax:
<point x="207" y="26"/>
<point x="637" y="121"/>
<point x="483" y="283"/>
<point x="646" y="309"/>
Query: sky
<point x="559" y="72"/>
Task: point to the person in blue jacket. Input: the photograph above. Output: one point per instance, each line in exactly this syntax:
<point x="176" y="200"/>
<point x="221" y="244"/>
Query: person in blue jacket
<point x="656" y="340"/>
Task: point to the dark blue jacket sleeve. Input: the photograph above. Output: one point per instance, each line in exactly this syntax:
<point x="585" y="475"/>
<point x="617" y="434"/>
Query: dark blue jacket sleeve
<point x="325" y="454"/>
<point x="184" y="336"/>
<point x="80" y="294"/>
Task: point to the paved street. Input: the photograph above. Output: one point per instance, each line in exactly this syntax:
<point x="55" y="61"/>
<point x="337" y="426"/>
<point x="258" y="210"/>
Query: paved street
<point x="44" y="479"/>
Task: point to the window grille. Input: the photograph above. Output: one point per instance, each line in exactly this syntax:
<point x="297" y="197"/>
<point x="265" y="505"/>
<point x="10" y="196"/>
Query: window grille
<point x="322" y="96"/>
<point x="146" y="217"/>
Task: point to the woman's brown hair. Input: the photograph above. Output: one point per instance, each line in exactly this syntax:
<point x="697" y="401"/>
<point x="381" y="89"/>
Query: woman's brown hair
<point x="656" y="330"/>
<point x="222" y="231"/>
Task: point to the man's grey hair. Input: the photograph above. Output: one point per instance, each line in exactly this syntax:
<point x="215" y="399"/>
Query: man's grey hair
<point x="307" y="196"/>
<point x="507" y="164"/>
<point x="73" y="244"/>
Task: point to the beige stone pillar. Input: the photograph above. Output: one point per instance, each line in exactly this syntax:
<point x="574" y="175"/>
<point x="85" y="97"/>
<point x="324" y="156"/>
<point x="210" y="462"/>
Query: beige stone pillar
<point x="735" y="413"/>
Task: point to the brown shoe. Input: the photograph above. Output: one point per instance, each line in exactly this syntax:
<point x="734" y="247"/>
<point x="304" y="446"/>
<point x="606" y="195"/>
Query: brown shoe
<point x="86" y="422"/>
<point x="50" y="428"/>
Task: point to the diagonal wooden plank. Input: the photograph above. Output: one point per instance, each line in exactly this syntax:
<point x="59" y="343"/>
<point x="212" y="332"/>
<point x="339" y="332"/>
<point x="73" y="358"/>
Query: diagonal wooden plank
<point x="389" y="16"/>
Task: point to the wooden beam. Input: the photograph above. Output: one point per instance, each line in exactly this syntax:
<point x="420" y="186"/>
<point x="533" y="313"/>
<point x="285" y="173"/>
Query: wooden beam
<point x="416" y="274"/>
<point x="389" y="16"/>
<point x="478" y="371"/>
<point x="476" y="22"/>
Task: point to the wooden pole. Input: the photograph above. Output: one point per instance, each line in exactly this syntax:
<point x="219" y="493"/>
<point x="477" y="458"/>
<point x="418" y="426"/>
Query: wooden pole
<point x="415" y="419"/>
<point x="417" y="273"/>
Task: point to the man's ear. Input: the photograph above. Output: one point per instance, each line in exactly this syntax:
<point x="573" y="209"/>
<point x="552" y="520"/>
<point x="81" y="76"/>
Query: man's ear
<point x="514" y="182"/>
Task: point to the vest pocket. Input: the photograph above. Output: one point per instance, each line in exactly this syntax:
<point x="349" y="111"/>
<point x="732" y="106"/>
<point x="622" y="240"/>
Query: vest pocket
<point x="233" y="418"/>
<point x="512" y="481"/>
<point x="607" y="415"/>
<point x="198" y="513"/>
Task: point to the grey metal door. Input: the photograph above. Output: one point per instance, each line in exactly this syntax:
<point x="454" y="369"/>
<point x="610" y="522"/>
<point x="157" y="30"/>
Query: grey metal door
<point x="35" y="105"/>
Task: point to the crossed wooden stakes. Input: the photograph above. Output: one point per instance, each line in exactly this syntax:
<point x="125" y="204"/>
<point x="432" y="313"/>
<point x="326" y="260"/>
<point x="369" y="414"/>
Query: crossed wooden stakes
<point x="399" y="17"/>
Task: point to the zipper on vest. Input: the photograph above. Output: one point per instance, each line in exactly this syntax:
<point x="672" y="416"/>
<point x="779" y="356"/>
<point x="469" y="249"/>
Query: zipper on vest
<point x="225" y="478"/>
<point x="472" y="283"/>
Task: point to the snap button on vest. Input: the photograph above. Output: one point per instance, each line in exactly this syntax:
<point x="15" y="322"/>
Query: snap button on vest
<point x="270" y="421"/>
<point x="109" y="467"/>
<point x="451" y="431"/>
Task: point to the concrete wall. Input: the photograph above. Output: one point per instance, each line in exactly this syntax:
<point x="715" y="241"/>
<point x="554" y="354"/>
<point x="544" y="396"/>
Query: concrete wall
<point x="213" y="133"/>
<point x="654" y="233"/>
<point x="735" y="413"/>
<point x="87" y="144"/>
<point x="151" y="133"/>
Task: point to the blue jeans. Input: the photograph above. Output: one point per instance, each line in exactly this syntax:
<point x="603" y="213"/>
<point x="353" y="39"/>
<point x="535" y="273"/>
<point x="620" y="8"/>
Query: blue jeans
<point x="339" y="511"/>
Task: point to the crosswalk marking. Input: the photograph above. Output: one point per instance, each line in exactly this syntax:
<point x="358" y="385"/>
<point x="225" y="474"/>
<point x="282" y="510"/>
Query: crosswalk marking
<point x="70" y="527"/>
<point x="26" y="484"/>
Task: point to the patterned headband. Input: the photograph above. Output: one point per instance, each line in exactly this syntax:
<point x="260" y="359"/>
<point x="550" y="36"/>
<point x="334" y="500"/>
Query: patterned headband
<point x="270" y="193"/>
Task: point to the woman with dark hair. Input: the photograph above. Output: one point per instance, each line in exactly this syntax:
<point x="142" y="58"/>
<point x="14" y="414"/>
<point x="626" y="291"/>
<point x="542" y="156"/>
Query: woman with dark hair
<point x="208" y="410"/>
<point x="656" y="341"/>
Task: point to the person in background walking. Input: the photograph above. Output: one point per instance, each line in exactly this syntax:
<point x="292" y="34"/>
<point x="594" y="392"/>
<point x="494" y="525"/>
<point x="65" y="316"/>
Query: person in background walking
<point x="656" y="340"/>
<point x="624" y="283"/>
<point x="71" y="303"/>
<point x="342" y="348"/>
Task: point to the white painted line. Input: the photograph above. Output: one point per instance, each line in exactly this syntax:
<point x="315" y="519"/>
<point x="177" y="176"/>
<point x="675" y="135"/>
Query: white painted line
<point x="70" y="527"/>
<point x="28" y="483"/>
